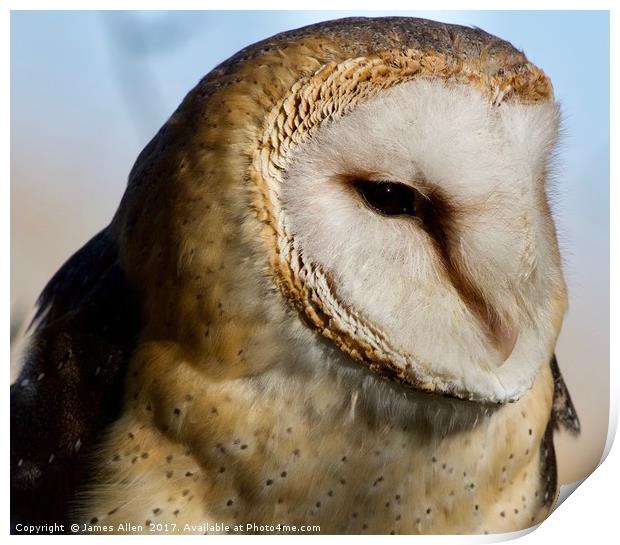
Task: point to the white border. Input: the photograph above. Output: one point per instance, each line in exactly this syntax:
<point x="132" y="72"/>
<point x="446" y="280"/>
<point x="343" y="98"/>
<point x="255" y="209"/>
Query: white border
<point x="587" y="515"/>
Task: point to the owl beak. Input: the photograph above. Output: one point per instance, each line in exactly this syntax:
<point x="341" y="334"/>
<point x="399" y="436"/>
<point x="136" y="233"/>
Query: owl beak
<point x="505" y="337"/>
<point x="501" y="331"/>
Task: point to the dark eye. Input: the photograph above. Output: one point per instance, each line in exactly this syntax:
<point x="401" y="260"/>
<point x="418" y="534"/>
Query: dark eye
<point x="391" y="198"/>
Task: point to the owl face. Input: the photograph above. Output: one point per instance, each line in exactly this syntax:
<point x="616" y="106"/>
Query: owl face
<point x="417" y="228"/>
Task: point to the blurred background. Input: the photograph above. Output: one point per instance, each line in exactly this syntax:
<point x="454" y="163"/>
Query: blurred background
<point x="89" y="90"/>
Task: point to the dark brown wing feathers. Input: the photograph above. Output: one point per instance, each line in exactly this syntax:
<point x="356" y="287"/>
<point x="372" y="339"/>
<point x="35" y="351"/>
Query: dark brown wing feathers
<point x="71" y="385"/>
<point x="563" y="416"/>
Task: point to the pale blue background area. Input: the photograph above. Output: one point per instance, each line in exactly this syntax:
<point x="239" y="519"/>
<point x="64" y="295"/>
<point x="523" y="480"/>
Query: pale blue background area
<point x="88" y="90"/>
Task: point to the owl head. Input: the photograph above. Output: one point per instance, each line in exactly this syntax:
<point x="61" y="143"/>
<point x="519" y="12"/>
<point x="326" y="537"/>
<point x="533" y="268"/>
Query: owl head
<point x="386" y="179"/>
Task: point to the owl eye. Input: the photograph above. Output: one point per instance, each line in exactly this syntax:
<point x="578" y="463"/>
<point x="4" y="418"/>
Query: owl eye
<point x="391" y="198"/>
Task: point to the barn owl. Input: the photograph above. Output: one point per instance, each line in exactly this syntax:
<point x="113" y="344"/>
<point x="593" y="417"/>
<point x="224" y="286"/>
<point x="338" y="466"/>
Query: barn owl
<point x="329" y="299"/>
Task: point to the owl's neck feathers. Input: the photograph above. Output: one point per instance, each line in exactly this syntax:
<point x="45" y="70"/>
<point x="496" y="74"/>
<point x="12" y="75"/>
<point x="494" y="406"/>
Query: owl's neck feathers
<point x="273" y="423"/>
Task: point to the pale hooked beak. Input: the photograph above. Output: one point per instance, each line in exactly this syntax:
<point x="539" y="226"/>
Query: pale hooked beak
<point x="506" y="336"/>
<point x="501" y="332"/>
